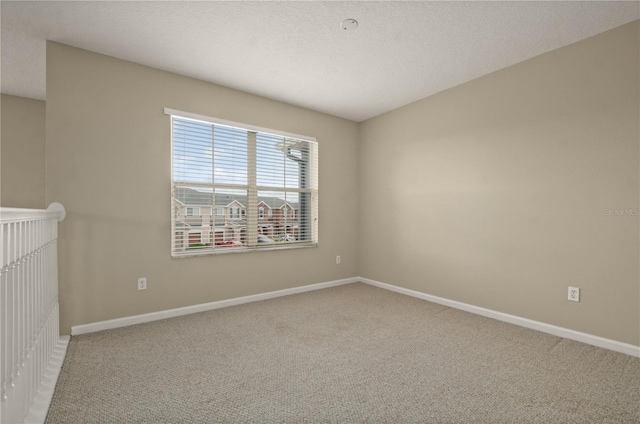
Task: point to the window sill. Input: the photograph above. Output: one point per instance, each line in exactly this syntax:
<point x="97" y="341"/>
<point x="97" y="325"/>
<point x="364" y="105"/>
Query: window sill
<point x="231" y="251"/>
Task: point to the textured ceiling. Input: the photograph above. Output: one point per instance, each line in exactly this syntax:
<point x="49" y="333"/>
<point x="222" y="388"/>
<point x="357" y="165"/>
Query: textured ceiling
<point x="296" y="51"/>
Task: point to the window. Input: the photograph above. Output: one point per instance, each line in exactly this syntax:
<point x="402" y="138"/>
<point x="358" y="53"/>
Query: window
<point x="193" y="211"/>
<point x="226" y="165"/>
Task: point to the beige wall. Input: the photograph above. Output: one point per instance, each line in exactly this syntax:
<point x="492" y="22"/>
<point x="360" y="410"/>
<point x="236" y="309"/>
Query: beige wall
<point x="22" y="152"/>
<point x="509" y="178"/>
<point x="108" y="163"/>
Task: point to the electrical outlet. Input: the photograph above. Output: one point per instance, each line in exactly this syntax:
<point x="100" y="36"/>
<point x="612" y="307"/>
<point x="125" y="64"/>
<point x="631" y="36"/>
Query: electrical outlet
<point x="142" y="283"/>
<point x="574" y="294"/>
<point x="338" y="259"/>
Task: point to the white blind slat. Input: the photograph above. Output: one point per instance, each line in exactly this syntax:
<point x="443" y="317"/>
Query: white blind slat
<point x="240" y="189"/>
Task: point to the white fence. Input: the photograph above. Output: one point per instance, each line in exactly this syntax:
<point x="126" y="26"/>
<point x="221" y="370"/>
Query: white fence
<point x="31" y="348"/>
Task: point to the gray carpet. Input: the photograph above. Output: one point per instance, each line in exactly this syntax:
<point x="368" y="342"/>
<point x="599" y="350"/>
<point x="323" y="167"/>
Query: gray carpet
<point x="349" y="354"/>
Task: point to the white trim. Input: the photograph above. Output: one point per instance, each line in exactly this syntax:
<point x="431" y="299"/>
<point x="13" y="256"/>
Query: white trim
<point x="42" y="401"/>
<point x="614" y="345"/>
<point x="236" y="201"/>
<point x="236" y="250"/>
<point x="57" y="207"/>
<point x="566" y="333"/>
<point x="155" y="316"/>
<point x="19" y="214"/>
<point x="240" y="125"/>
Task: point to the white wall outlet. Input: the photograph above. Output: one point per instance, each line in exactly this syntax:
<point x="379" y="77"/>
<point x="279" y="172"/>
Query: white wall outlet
<point x="574" y="294"/>
<point x="142" y="283"/>
<point x="338" y="259"/>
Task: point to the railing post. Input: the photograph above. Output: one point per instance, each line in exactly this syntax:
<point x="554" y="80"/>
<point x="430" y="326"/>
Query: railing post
<point x="29" y="334"/>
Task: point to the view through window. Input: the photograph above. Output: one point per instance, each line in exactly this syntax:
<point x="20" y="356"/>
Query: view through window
<point x="251" y="188"/>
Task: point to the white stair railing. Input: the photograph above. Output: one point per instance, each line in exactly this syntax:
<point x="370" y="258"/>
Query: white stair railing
<point x="30" y="343"/>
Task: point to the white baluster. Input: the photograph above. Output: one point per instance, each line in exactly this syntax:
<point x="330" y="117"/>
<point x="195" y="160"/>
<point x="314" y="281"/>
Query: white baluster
<point x="29" y="328"/>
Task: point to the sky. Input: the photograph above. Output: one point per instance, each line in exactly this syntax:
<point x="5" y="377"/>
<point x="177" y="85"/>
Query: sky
<point x="214" y="154"/>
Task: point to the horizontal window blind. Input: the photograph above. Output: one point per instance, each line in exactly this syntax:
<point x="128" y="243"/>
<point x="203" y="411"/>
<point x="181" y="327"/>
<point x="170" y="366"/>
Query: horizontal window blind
<point x="237" y="189"/>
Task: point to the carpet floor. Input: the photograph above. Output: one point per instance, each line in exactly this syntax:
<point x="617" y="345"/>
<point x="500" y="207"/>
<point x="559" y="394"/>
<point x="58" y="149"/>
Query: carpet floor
<point x="348" y="354"/>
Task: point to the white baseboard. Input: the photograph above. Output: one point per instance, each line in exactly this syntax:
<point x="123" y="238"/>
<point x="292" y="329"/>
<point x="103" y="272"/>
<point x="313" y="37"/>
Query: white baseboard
<point x="170" y="313"/>
<point x="616" y="346"/>
<point x="602" y="342"/>
<point x="40" y="406"/>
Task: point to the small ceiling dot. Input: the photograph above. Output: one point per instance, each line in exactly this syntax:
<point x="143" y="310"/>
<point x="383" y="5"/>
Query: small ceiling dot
<point x="349" y="24"/>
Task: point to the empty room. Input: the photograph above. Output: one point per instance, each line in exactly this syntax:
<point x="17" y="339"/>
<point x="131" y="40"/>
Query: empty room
<point x="320" y="212"/>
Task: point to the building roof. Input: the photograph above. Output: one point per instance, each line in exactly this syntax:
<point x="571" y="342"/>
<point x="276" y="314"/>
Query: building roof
<point x="191" y="197"/>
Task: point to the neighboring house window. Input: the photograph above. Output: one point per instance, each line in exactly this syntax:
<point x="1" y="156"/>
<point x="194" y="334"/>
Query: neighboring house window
<point x="216" y="162"/>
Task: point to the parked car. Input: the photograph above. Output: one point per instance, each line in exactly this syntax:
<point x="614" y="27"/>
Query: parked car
<point x="229" y="243"/>
<point x="262" y="239"/>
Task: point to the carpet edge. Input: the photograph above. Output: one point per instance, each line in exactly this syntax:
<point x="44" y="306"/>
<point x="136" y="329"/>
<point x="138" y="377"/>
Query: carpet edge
<point x="77" y="330"/>
<point x="609" y="344"/>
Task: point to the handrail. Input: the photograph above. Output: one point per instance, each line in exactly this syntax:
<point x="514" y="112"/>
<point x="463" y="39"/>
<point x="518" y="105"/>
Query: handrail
<point x="31" y="349"/>
<point x="21" y="214"/>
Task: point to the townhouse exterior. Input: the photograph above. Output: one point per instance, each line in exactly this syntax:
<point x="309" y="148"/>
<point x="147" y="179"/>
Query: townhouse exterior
<point x="198" y="222"/>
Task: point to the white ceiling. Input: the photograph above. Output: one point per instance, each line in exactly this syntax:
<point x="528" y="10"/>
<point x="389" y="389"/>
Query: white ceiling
<point x="296" y="51"/>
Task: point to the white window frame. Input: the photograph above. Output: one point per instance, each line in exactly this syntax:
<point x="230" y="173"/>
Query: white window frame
<point x="252" y="188"/>
<point x="195" y="211"/>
